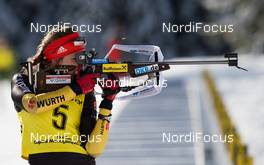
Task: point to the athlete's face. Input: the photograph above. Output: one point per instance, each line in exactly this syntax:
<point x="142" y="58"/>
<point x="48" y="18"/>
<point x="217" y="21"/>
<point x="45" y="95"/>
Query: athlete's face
<point x="67" y="60"/>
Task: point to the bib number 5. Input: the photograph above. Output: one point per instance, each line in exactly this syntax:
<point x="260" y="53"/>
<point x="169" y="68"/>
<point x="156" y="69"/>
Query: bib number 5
<point x="60" y="117"/>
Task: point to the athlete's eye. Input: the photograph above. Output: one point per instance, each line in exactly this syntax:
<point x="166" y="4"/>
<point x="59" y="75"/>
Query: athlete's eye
<point x="73" y="59"/>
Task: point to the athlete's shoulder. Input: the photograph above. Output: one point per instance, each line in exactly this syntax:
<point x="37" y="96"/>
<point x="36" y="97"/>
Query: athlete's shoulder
<point x="19" y="87"/>
<point x="20" y="82"/>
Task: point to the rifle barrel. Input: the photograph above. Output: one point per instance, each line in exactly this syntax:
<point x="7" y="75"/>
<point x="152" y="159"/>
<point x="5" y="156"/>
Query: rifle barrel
<point x="201" y="62"/>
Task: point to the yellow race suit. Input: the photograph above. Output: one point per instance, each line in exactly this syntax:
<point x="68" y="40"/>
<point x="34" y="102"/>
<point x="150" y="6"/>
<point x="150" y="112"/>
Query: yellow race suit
<point x="59" y="121"/>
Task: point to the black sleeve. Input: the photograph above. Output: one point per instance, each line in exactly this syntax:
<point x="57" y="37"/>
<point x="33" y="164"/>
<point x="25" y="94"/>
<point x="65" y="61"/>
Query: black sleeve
<point x="19" y="87"/>
<point x="107" y="104"/>
<point x="88" y="117"/>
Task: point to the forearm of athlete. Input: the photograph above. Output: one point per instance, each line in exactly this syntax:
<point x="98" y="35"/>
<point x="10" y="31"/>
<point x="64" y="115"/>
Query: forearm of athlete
<point x="100" y="131"/>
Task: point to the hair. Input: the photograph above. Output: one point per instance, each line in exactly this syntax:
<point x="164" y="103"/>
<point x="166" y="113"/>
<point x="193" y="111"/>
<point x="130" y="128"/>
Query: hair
<point x="50" y="36"/>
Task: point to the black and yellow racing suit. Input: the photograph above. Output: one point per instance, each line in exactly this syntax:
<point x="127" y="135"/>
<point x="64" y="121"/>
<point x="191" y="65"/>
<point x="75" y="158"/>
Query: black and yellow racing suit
<point x="60" y="126"/>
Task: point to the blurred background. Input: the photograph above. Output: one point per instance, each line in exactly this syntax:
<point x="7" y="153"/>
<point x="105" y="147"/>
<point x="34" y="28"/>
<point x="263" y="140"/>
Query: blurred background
<point x="140" y="22"/>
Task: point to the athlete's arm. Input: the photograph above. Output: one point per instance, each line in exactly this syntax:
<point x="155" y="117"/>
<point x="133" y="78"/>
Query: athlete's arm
<point x="99" y="136"/>
<point x="24" y="97"/>
<point x="88" y="117"/>
<point x="101" y="129"/>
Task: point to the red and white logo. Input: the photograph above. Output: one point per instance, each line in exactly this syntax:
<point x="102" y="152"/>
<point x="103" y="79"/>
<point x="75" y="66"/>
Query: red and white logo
<point x="31" y="103"/>
<point x="61" y="50"/>
<point x="58" y="79"/>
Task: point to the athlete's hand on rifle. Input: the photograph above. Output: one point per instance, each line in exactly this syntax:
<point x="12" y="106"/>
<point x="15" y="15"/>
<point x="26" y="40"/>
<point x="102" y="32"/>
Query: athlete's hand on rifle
<point x="110" y="87"/>
<point x="85" y="84"/>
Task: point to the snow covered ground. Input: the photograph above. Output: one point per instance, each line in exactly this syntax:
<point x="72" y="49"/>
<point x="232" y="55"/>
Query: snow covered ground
<point x="243" y="95"/>
<point x="10" y="129"/>
<point x="242" y="92"/>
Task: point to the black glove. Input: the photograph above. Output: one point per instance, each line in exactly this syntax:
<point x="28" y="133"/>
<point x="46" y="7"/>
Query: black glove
<point x="111" y="88"/>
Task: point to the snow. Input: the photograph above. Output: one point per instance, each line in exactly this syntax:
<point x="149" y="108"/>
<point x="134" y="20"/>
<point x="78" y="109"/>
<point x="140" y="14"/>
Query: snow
<point x="10" y="129"/>
<point x="243" y="94"/>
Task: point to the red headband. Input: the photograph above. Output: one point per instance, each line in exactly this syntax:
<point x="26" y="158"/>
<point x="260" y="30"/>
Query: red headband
<point x="63" y="47"/>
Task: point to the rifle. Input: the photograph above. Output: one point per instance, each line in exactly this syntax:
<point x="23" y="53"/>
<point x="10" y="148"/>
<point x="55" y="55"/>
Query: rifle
<point x="134" y="69"/>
